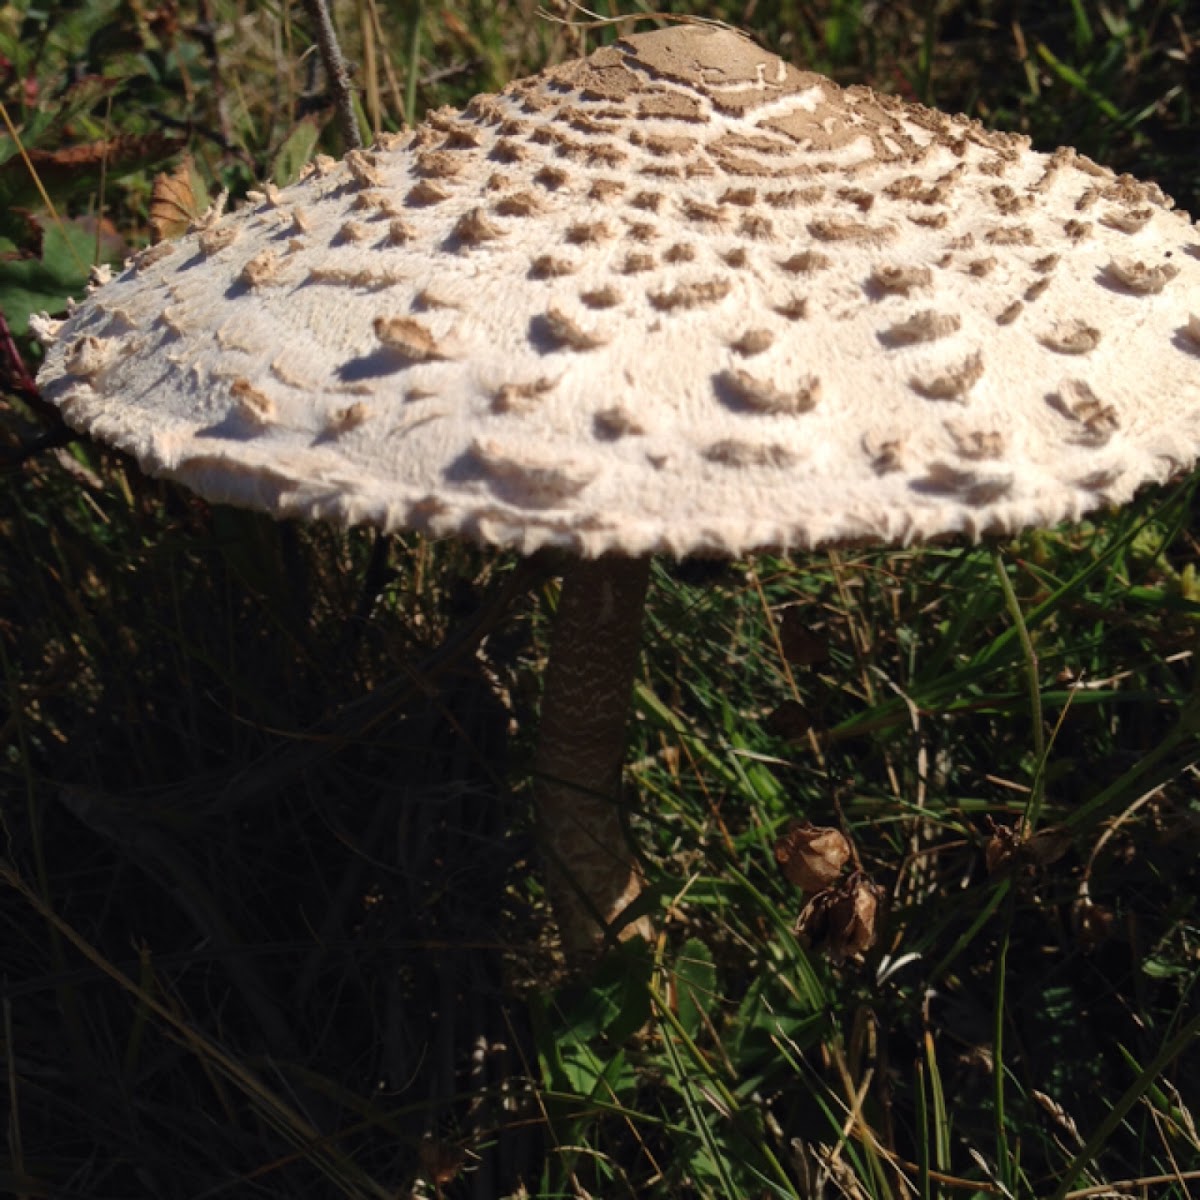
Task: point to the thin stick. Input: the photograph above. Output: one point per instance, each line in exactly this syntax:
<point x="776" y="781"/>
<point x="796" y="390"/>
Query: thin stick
<point x="335" y="70"/>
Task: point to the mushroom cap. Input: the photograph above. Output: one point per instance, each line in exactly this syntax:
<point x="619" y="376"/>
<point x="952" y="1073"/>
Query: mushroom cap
<point x="677" y="296"/>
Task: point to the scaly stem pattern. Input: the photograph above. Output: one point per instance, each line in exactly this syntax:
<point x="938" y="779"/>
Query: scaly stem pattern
<point x="592" y="872"/>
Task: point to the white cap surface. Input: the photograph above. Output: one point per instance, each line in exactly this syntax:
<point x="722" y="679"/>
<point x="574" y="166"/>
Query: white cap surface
<point x="678" y="296"/>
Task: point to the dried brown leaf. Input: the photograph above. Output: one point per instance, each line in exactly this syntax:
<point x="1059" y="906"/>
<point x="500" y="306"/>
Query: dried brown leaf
<point x="841" y="921"/>
<point x="812" y="856"/>
<point x="174" y="203"/>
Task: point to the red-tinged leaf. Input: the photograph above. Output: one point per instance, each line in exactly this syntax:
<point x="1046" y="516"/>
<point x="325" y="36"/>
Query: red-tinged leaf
<point x="72" y="170"/>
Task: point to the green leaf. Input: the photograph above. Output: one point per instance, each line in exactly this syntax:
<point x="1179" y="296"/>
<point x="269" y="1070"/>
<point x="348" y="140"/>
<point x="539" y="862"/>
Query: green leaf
<point x="614" y="1001"/>
<point x="589" y="1074"/>
<point x="47" y="122"/>
<point x="695" y="985"/>
<point x="296" y="150"/>
<point x="30" y="285"/>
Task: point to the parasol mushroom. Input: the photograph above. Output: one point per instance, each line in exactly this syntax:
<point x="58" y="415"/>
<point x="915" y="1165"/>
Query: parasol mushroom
<point x="677" y="297"/>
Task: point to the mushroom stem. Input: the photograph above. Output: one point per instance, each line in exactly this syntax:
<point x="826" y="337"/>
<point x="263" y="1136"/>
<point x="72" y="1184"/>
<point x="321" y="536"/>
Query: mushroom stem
<point x="591" y="870"/>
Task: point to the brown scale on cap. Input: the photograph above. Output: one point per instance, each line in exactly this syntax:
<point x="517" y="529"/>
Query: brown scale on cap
<point x="900" y="278"/>
<point x="286" y="373"/>
<point x="426" y="192"/>
<point x="551" y="266"/>
<point x="540" y="478"/>
<point x="584" y="122"/>
<point x="793" y="309"/>
<point x="746" y="197"/>
<point x="176" y="320"/>
<point x="925" y="326"/>
<point x="1071" y="337"/>
<point x="617" y="422"/>
<point x="1010" y="235"/>
<point x="214" y="240"/>
<point x="1127" y="220"/>
<point x="474" y="228"/>
<point x="650" y="201"/>
<point x="606" y="189"/>
<point x="1076" y="401"/>
<point x="252" y="403"/>
<point x="566" y="334"/>
<point x="508" y="151"/>
<point x="364" y="277"/>
<point x="409" y="337"/>
<point x="680" y="252"/>
<point x="976" y="444"/>
<point x="843" y="229"/>
<point x="805" y="262"/>
<point x="262" y="270"/>
<point x="756" y="227"/>
<point x="1034" y="290"/>
<point x="973" y="488"/>
<point x="1142" y="279"/>
<point x="690" y="295"/>
<point x="735" y="453"/>
<point x="400" y="232"/>
<point x="519" y="397"/>
<point x="800" y="231"/>
<point x="606" y="156"/>
<point x="601" y="297"/>
<point x="354" y="231"/>
<point x="145" y="259"/>
<point x="462" y="137"/>
<point x="704" y="214"/>
<point x="363" y="168"/>
<point x="518" y="204"/>
<point x="439" y="164"/>
<point x="951" y="384"/>
<point x="88" y="356"/>
<point x="350" y="416"/>
<point x="752" y="342"/>
<point x="761" y="396"/>
<point x="552" y="177"/>
<point x="589" y="233"/>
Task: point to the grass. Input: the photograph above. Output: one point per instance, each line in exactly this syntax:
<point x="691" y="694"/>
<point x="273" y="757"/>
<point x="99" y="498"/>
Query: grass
<point x="245" y="953"/>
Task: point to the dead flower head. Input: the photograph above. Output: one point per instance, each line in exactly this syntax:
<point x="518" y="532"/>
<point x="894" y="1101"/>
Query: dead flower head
<point x="841" y="920"/>
<point x="812" y="856"/>
<point x="1010" y="847"/>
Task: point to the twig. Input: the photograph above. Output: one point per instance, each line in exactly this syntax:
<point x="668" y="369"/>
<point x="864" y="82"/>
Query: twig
<point x="14" y="373"/>
<point x="335" y="70"/>
<point x="205" y="32"/>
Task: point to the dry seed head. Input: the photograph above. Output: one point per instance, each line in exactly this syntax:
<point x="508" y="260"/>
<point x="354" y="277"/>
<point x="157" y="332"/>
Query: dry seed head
<point x="811" y="856"/>
<point x="842" y="921"/>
